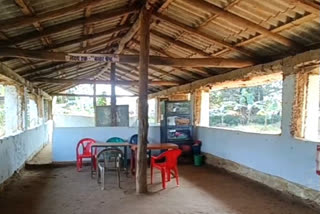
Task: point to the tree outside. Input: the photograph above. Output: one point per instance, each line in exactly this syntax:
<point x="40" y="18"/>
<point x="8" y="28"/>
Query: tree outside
<point x="252" y="109"/>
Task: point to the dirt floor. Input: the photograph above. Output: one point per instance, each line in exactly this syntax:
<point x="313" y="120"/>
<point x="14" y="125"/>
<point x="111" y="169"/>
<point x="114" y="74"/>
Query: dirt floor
<point x="202" y="190"/>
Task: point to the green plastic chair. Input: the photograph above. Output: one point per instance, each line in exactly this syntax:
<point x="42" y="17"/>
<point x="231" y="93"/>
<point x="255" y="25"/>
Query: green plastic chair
<point x="115" y="140"/>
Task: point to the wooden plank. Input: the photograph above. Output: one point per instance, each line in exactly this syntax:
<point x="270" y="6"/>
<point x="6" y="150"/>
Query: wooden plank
<point x="68" y="25"/>
<point x="28" y="20"/>
<point x="90" y="37"/>
<point x="178" y="43"/>
<point x="141" y="173"/>
<point x="26" y="9"/>
<point x="128" y="36"/>
<point x="88" y="95"/>
<point x="87" y="81"/>
<point x="113" y="95"/>
<point x="131" y="59"/>
<point x="242" y="21"/>
<point x="308" y="5"/>
<point x="196" y="32"/>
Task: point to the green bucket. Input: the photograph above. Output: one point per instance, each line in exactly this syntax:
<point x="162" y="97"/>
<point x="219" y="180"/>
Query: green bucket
<point x="198" y="160"/>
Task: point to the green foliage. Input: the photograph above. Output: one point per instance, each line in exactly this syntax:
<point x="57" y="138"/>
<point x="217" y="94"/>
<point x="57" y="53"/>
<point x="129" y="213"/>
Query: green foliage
<point x="102" y="101"/>
<point x="250" y="106"/>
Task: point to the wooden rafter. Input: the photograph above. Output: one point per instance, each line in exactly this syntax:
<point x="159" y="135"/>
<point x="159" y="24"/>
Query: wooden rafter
<point x="132" y="59"/>
<point x="28" y="11"/>
<point x="196" y="32"/>
<point x="28" y="20"/>
<point x="88" y="95"/>
<point x="307" y="5"/>
<point x="173" y="73"/>
<point x="242" y="21"/>
<point x="7" y="72"/>
<point x="68" y="25"/>
<point x="117" y="82"/>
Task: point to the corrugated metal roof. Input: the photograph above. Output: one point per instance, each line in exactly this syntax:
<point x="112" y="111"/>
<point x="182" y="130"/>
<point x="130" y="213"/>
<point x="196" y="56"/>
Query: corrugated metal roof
<point x="296" y="22"/>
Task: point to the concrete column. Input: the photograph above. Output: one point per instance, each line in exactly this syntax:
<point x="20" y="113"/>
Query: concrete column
<point x="204" y="110"/>
<point x="312" y="121"/>
<point x="288" y="96"/>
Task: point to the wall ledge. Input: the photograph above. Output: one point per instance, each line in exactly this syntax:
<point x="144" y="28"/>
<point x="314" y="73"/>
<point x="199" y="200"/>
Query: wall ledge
<point x="308" y="196"/>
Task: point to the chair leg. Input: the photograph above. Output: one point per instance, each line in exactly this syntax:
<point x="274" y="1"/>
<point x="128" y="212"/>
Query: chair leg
<point x="176" y="173"/>
<point x="163" y="175"/>
<point x="168" y="175"/>
<point x="78" y="165"/>
<point x="98" y="175"/>
<point x="94" y="163"/>
<point x="151" y="172"/>
<point x="118" y="170"/>
<point x="102" y="178"/>
<point x="81" y="163"/>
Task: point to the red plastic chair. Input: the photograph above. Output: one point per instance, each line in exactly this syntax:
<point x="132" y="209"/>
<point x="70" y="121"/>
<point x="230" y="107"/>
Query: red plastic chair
<point x="170" y="164"/>
<point x="86" y="152"/>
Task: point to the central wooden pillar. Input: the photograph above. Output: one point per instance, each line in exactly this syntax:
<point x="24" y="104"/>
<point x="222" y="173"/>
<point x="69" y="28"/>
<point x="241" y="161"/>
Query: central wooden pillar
<point x="141" y="171"/>
<point x="113" y="95"/>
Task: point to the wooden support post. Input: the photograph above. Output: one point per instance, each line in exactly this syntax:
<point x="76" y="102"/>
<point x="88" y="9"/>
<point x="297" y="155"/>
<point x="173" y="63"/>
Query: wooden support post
<point x="95" y="102"/>
<point x="141" y="173"/>
<point x="113" y="95"/>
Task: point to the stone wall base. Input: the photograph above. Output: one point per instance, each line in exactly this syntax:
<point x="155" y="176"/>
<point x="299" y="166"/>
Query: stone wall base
<point x="306" y="195"/>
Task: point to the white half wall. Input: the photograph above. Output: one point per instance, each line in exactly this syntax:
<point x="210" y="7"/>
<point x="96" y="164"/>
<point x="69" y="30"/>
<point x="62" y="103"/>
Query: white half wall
<point x="65" y="139"/>
<point x="17" y="149"/>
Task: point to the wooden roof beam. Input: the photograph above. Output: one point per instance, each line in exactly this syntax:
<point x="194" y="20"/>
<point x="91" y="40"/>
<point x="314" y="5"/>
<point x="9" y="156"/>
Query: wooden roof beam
<point x="89" y="37"/>
<point x="178" y="43"/>
<point x="28" y="20"/>
<point x="28" y="11"/>
<point x="307" y="5"/>
<point x="242" y="21"/>
<point x="193" y="31"/>
<point x="41" y="70"/>
<point x="88" y="95"/>
<point x="68" y="25"/>
<point x="117" y="82"/>
<point x="130" y="59"/>
<point x="7" y="72"/>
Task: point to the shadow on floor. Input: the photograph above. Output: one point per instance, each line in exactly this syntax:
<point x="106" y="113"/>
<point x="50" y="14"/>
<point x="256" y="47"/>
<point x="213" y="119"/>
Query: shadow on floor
<point x="202" y="190"/>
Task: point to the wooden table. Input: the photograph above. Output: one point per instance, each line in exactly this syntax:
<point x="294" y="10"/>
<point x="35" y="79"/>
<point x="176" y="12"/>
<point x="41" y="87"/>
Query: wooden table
<point x="125" y="145"/>
<point x="153" y="146"/>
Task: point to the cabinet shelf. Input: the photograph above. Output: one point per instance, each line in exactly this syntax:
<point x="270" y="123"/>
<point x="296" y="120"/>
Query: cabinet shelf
<point x="176" y="123"/>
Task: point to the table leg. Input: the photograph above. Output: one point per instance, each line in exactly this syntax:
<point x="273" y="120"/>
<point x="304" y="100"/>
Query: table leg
<point x="133" y="162"/>
<point x="126" y="159"/>
<point x="92" y="160"/>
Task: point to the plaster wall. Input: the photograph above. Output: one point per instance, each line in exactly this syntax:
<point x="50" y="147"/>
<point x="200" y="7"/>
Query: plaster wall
<point x="61" y="120"/>
<point x="17" y="149"/>
<point x="65" y="139"/>
<point x="11" y="104"/>
<point x="277" y="155"/>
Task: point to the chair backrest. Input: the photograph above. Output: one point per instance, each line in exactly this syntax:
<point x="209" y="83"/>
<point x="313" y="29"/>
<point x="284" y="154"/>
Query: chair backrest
<point x="86" y="146"/>
<point x="115" y="140"/>
<point x="103" y="155"/>
<point x="172" y="157"/>
<point x="134" y="139"/>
